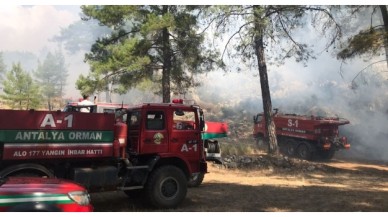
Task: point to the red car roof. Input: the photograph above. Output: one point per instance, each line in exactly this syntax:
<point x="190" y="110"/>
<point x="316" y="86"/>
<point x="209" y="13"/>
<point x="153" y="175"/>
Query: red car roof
<point x="34" y="184"/>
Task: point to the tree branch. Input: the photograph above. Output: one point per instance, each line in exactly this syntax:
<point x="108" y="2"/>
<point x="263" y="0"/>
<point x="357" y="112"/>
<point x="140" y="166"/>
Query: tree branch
<point x="288" y="34"/>
<point x="231" y="37"/>
<point x="366" y="68"/>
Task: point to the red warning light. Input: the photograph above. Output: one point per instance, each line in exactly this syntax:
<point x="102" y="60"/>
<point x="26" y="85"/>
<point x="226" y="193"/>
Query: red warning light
<point x="177" y="101"/>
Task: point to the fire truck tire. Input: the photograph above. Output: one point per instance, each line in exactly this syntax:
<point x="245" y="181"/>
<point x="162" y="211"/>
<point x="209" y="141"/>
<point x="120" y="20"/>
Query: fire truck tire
<point x="327" y="155"/>
<point x="259" y="140"/>
<point x="166" y="187"/>
<point x="27" y="169"/>
<point x="305" y="151"/>
<point x="289" y="147"/>
<point x="197" y="181"/>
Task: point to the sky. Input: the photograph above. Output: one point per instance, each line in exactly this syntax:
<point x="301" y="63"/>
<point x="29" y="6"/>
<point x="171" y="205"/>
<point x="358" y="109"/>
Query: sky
<point x="29" y="28"/>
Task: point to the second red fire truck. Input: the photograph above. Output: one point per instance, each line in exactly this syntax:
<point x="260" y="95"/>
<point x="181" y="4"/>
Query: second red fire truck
<point x="304" y="136"/>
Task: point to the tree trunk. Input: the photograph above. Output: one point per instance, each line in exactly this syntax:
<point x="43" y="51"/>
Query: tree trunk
<point x="49" y="106"/>
<point x="265" y="92"/>
<point x="384" y="14"/>
<point x="166" y="73"/>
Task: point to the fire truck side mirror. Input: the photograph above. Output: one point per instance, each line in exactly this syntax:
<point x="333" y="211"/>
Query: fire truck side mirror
<point x="201" y="121"/>
<point x="257" y="118"/>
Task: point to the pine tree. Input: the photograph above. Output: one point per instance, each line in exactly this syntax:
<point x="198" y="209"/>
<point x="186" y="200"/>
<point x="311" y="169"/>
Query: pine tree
<point x="259" y="32"/>
<point x="369" y="42"/>
<point x="158" y="43"/>
<point x="3" y="67"/>
<point x="52" y="75"/>
<point x="20" y="91"/>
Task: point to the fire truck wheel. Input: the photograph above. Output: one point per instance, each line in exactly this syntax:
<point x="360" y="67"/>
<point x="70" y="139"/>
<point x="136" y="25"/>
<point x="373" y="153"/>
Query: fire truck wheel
<point x="166" y="187"/>
<point x="259" y="142"/>
<point x="289" y="147"/>
<point x="196" y="181"/>
<point x="28" y="170"/>
<point x="304" y="151"/>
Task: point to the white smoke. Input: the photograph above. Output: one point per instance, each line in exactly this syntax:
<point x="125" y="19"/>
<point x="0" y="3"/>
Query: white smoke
<point x="30" y="28"/>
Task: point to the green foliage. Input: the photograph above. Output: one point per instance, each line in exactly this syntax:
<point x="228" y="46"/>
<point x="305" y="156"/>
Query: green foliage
<point x="239" y="146"/>
<point x="369" y="41"/>
<point x="3" y="67"/>
<point x="146" y="41"/>
<point x="20" y="91"/>
<point x="86" y="85"/>
<point x="110" y="15"/>
<point x="52" y="75"/>
<point x="372" y="37"/>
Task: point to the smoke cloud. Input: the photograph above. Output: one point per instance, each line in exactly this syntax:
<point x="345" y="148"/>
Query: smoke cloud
<point x="29" y="30"/>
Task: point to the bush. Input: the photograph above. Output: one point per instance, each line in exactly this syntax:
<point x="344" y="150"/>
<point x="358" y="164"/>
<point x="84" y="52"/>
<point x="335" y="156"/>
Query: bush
<point x="239" y="147"/>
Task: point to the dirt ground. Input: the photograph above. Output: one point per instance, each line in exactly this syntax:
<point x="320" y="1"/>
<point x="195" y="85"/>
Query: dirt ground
<point x="337" y="186"/>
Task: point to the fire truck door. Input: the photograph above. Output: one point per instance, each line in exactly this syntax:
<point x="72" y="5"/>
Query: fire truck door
<point x="185" y="134"/>
<point x="155" y="138"/>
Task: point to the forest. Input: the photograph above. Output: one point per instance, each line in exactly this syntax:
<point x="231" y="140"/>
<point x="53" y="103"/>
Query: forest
<point x="233" y="60"/>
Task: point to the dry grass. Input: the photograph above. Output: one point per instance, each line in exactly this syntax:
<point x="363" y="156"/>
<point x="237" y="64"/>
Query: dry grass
<point x="350" y="187"/>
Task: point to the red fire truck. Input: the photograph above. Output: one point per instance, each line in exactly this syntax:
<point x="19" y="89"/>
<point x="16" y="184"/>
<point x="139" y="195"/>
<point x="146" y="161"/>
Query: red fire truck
<point x="211" y="131"/>
<point x="304" y="136"/>
<point x="150" y="150"/>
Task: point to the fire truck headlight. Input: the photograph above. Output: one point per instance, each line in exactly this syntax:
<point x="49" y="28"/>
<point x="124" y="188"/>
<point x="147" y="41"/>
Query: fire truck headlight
<point x="80" y="197"/>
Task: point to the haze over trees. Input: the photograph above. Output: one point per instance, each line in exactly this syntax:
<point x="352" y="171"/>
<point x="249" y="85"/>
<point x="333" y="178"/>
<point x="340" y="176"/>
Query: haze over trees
<point x="255" y="33"/>
<point x="51" y="75"/>
<point x="79" y="36"/>
<point x="20" y="91"/>
<point x="368" y="42"/>
<point x="2" y="66"/>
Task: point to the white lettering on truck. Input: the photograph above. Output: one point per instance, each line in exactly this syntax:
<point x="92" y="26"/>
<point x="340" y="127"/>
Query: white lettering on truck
<point x="186" y="149"/>
<point x="59" y="136"/>
<point x="49" y="120"/>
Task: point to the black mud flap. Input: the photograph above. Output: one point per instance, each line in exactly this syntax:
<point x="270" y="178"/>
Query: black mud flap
<point x="215" y="157"/>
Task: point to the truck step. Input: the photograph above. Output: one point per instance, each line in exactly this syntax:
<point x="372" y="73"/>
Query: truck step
<point x="130" y="188"/>
<point x="137" y="167"/>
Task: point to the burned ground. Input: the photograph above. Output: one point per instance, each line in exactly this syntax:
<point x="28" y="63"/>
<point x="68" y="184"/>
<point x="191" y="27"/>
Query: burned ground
<point x="263" y="183"/>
